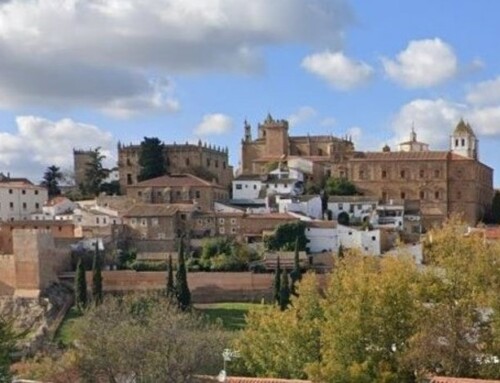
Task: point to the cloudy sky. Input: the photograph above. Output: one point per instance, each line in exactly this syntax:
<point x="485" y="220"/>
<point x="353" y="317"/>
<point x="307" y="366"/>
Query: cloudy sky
<point x="87" y="73"/>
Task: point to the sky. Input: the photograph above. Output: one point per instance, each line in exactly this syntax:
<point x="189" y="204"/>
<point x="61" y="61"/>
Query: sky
<point x="89" y="73"/>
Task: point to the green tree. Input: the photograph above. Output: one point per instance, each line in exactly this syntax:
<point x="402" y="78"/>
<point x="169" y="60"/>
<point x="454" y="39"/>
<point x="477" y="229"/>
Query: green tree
<point x="96" y="277"/>
<point x="151" y="159"/>
<point x="277" y="281"/>
<point x="495" y="208"/>
<point x="144" y="338"/>
<point x="170" y="290"/>
<point x="279" y="343"/>
<point x="370" y="315"/>
<point x="340" y="252"/>
<point x="182" y="292"/>
<point x="286" y="235"/>
<point x="80" y="286"/>
<point x="95" y="172"/>
<point x="296" y="274"/>
<point x="51" y="179"/>
<point x="284" y="291"/>
<point x="340" y="186"/>
<point x="8" y="339"/>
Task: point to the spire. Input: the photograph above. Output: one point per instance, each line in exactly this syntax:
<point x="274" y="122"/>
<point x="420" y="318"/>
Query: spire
<point x="413" y="135"/>
<point x="269" y="119"/>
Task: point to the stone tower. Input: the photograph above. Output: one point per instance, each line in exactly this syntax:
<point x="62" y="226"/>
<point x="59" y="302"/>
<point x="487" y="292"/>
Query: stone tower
<point x="464" y="141"/>
<point x="275" y="135"/>
<point x="81" y="158"/>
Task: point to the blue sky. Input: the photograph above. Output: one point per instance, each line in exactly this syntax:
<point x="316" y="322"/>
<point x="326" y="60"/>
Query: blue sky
<point x="86" y="73"/>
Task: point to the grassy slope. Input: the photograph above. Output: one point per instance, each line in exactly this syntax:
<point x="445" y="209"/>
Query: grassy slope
<point x="231" y="314"/>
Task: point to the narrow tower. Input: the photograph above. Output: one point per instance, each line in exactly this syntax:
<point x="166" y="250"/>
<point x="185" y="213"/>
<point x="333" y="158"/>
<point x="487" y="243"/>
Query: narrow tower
<point x="464" y="141"/>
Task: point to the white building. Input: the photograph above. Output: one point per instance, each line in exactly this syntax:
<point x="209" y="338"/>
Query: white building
<point x="309" y="205"/>
<point x="19" y="198"/>
<point x="389" y="216"/>
<point x="359" y="208"/>
<point x="287" y="181"/>
<point x="247" y="187"/>
<point x="328" y="236"/>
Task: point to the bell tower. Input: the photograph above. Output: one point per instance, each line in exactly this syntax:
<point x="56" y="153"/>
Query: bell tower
<point x="464" y="141"/>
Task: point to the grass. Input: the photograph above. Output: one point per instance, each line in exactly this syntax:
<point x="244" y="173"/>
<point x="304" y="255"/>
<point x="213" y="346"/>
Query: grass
<point x="65" y="335"/>
<point x="231" y="314"/>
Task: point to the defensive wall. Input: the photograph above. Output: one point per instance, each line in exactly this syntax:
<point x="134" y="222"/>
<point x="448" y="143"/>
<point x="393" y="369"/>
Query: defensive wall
<point x="205" y="287"/>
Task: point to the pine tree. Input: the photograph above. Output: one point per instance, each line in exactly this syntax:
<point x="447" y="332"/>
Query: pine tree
<point x="96" y="277"/>
<point x="296" y="274"/>
<point x="170" y="291"/>
<point x="80" y="286"/>
<point x="151" y="159"/>
<point x="277" y="281"/>
<point x="182" y="292"/>
<point x="284" y="291"/>
<point x="340" y="252"/>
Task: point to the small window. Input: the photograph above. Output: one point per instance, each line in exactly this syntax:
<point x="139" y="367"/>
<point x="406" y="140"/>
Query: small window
<point x="221" y="221"/>
<point x="422" y="173"/>
<point x="463" y="142"/>
<point x="197" y="194"/>
<point x="422" y="194"/>
<point x="60" y="228"/>
<point x="254" y="187"/>
<point x="183" y="217"/>
<point x="341" y="206"/>
<point x="97" y="220"/>
<point x="233" y="230"/>
<point x="10" y="191"/>
<point x="437" y="173"/>
<point x="139" y="193"/>
<point x="224" y="165"/>
<point x="374" y="238"/>
<point x="37" y="205"/>
<point x="233" y="221"/>
<point x="187" y="161"/>
<point x="144" y="222"/>
<point x="384" y="174"/>
<point x="402" y="174"/>
<point x="222" y="230"/>
<point x="133" y="221"/>
<point x="436" y="194"/>
<point x="104" y="221"/>
<point x="361" y="174"/>
<point x="178" y="194"/>
<point x="36" y="192"/>
<point x="129" y="179"/>
<point x="11" y="205"/>
<point x="216" y="163"/>
<point x="208" y="162"/>
<point x="23" y="191"/>
<point x="456" y="141"/>
<point x="403" y="195"/>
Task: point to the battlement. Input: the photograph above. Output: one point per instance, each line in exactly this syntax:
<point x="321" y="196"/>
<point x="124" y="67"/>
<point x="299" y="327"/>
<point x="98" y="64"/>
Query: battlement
<point x="178" y="147"/>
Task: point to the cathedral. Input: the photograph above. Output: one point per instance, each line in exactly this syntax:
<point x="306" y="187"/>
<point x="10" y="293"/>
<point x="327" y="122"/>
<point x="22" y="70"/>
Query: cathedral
<point x="438" y="183"/>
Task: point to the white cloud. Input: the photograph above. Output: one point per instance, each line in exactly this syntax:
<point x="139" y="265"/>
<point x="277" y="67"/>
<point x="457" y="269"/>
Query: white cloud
<point x="435" y="120"/>
<point x="338" y="70"/>
<point x="328" y="122"/>
<point x="102" y="53"/>
<point x="485" y="93"/>
<point x="40" y="142"/>
<point x="214" y="124"/>
<point x="303" y="114"/>
<point x="424" y="63"/>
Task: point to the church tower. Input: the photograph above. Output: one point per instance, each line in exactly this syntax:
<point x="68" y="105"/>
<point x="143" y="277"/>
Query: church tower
<point x="464" y="141"/>
<point x="248" y="131"/>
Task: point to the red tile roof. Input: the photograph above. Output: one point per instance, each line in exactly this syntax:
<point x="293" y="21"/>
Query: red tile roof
<point x="152" y="210"/>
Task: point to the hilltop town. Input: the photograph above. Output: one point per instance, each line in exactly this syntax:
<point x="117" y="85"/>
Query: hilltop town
<point x="294" y="203"/>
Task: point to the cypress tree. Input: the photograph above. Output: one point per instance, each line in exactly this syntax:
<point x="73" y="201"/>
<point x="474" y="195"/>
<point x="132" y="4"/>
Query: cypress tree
<point x="277" y="281"/>
<point x="170" y="291"/>
<point x="284" y="291"/>
<point x="340" y="252"/>
<point x="80" y="286"/>
<point x="96" y="277"/>
<point x="296" y="274"/>
<point x="182" y="292"/>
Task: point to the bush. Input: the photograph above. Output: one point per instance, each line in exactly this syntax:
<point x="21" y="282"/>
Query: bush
<point x="286" y="235"/>
<point x="148" y="266"/>
<point x="223" y="254"/>
<point x="126" y="258"/>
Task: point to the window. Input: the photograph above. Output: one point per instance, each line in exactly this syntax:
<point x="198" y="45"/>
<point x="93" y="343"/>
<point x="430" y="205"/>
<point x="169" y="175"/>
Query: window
<point x="403" y="195"/>
<point x="133" y="221"/>
<point x="60" y="228"/>
<point x="361" y="174"/>
<point x="183" y="217"/>
<point x="437" y="173"/>
<point x="197" y="194"/>
<point x="11" y="205"/>
<point x="463" y="142"/>
<point x="158" y="193"/>
<point x="36" y="192"/>
<point x="402" y="174"/>
<point x="224" y="165"/>
<point x="10" y="191"/>
<point x="320" y="152"/>
<point x="422" y="194"/>
<point x="221" y="221"/>
<point x="104" y="221"/>
<point x="239" y="186"/>
<point x="233" y="221"/>
<point x="456" y="141"/>
<point x="37" y="205"/>
<point x="374" y="238"/>
<point x="144" y="222"/>
<point x="129" y="179"/>
<point x="286" y="185"/>
<point x="254" y="187"/>
<point x="384" y="174"/>
<point x="422" y="173"/>
<point x="139" y="193"/>
<point x="233" y="230"/>
<point x="341" y="206"/>
<point x="436" y="194"/>
<point x="208" y="162"/>
<point x="216" y="163"/>
<point x="178" y="194"/>
<point x="23" y="191"/>
<point x="129" y="163"/>
<point x="187" y="161"/>
<point x="25" y="206"/>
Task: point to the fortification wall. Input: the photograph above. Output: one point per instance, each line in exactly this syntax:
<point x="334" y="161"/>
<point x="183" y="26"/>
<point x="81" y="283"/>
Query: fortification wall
<point x="205" y="287"/>
<point x="7" y="274"/>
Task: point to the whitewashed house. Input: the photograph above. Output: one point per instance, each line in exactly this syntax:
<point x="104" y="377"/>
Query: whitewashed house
<point x="19" y="198"/>
<point x="322" y="236"/>
<point x="359" y="208"/>
<point x="309" y="205"/>
<point x="247" y="187"/>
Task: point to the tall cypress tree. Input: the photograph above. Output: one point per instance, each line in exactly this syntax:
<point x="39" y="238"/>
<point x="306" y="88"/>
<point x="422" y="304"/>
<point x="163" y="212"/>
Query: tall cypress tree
<point x="296" y="274"/>
<point x="80" y="286"/>
<point x="284" y="291"/>
<point x="96" y="277"/>
<point x="182" y="292"/>
<point x="170" y="291"/>
<point x="277" y="281"/>
<point x="151" y="159"/>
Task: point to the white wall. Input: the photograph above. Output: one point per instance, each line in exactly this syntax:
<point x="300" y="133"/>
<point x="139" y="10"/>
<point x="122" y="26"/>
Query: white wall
<point x="357" y="210"/>
<point x="322" y="239"/>
<point x="246" y="189"/>
<point x="368" y="241"/>
<point x="64" y="206"/>
<point x="20" y="201"/>
<point x="311" y="208"/>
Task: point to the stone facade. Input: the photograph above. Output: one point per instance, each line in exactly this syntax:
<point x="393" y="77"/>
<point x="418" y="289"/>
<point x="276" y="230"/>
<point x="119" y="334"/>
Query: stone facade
<point x="178" y="188"/>
<point x="19" y="198"/>
<point x="441" y="182"/>
<point x="202" y="159"/>
<point x="81" y="158"/>
<point x="328" y="154"/>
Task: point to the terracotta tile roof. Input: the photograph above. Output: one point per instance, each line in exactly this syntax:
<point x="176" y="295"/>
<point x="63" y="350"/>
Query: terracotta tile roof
<point x="272" y="216"/>
<point x="352" y="198"/>
<point x="442" y="379"/>
<point x="321" y="224"/>
<point x="152" y="210"/>
<point x="402" y="156"/>
<point x="175" y="180"/>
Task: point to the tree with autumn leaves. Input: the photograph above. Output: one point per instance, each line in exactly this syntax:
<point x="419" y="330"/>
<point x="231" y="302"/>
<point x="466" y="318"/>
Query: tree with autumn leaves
<point x="385" y="320"/>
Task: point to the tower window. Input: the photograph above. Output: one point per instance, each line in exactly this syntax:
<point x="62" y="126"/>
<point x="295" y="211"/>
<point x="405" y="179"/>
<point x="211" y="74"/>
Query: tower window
<point x="436" y="195"/>
<point x="422" y="194"/>
<point x="422" y="173"/>
<point x="463" y="141"/>
<point x="403" y="195"/>
<point x="402" y="174"/>
<point x="384" y="174"/>
<point x="456" y="141"/>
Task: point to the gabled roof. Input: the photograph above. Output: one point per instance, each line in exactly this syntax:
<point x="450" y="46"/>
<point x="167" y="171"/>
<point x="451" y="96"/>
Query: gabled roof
<point x="152" y="210"/>
<point x="463" y="128"/>
<point x="402" y="156"/>
<point x="175" y="180"/>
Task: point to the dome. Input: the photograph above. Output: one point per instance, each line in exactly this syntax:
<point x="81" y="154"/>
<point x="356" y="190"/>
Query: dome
<point x="463" y="128"/>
